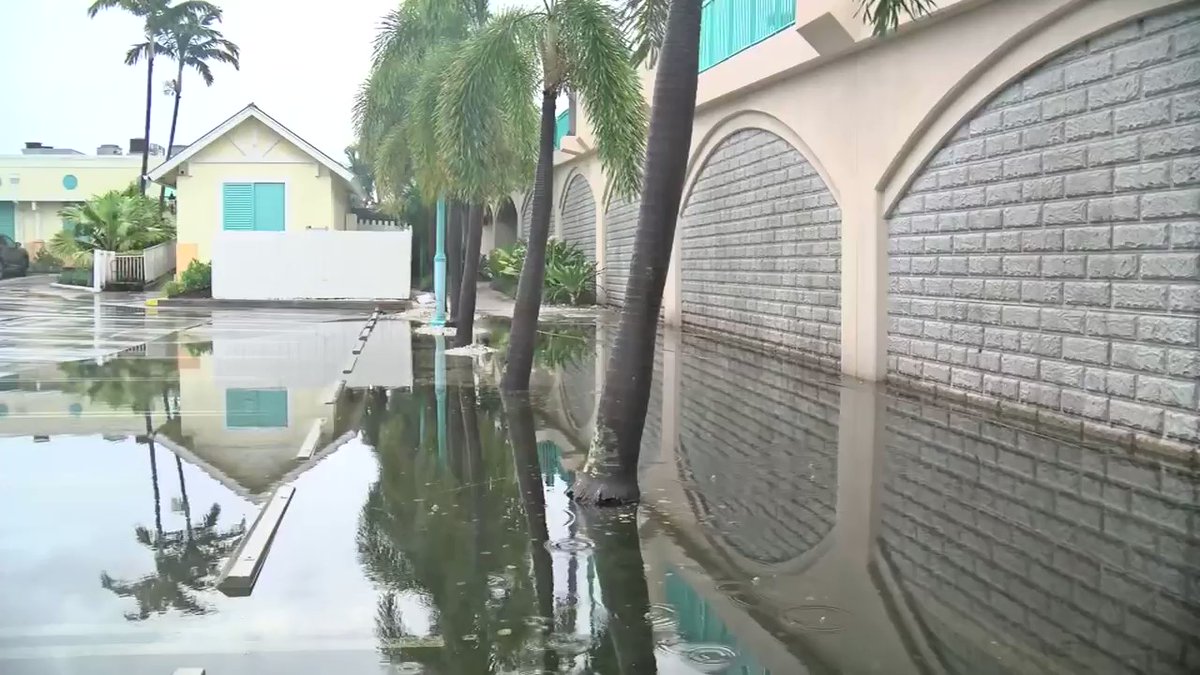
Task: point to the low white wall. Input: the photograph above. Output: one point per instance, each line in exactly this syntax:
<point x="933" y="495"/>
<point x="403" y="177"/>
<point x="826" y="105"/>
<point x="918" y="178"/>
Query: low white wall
<point x="312" y="265"/>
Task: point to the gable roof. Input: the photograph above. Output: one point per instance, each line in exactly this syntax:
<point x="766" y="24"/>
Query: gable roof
<point x="273" y="124"/>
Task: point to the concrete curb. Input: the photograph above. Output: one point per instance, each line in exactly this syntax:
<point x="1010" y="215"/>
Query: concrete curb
<point x="282" y="304"/>
<point x="247" y="562"/>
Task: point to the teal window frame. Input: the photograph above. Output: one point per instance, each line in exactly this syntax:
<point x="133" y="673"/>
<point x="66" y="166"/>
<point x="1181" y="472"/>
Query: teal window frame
<point x="254" y="206"/>
<point x="562" y="127"/>
<point x="729" y="27"/>
<point x="256" y="408"/>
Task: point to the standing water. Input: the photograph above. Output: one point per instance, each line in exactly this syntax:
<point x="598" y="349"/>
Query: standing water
<point x="792" y="522"/>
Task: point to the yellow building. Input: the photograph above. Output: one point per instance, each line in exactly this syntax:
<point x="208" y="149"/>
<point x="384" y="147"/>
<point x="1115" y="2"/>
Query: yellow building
<point x="34" y="187"/>
<point x="251" y="173"/>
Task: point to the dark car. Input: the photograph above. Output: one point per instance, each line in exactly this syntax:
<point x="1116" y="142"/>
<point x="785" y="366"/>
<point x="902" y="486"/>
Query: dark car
<point x="14" y="260"/>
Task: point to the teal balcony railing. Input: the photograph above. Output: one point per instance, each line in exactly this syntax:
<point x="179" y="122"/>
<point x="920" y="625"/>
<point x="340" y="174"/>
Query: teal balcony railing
<point x="562" y="125"/>
<point x="730" y="26"/>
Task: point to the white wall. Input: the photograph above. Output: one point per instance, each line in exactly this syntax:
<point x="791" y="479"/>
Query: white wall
<point x="316" y="264"/>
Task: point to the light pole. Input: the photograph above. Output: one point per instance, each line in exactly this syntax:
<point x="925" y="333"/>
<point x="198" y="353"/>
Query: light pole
<point x="439" y="268"/>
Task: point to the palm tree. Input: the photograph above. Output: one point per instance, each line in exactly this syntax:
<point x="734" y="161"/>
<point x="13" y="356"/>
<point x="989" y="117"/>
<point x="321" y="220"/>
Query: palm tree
<point x="113" y="221"/>
<point x="575" y="44"/>
<point x="610" y="474"/>
<point x="193" y="42"/>
<point x="158" y="17"/>
<point x="406" y="137"/>
<point x="363" y="174"/>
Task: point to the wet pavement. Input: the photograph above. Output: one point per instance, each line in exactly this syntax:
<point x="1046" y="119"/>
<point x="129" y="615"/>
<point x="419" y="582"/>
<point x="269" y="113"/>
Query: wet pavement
<point x="793" y="522"/>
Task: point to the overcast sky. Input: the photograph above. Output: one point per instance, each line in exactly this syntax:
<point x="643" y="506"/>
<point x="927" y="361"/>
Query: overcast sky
<point x="63" y="80"/>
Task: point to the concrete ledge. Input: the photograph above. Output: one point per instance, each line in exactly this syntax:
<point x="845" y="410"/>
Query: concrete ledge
<point x="396" y="305"/>
<point x="310" y="440"/>
<point x="69" y="287"/>
<point x="246" y="564"/>
<point x="331" y="394"/>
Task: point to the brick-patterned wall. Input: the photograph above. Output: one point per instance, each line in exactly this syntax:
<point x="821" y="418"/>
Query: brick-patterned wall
<point x="579" y="216"/>
<point x="1047" y="547"/>
<point x="761" y="247"/>
<point x="619" y="226"/>
<point x="526" y="218"/>
<point x="760" y="444"/>
<point x="1050" y="252"/>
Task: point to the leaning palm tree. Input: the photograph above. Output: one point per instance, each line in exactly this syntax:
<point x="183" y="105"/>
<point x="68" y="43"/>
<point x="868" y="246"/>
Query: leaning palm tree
<point x="194" y="42"/>
<point x="668" y="30"/>
<point x="158" y="16"/>
<point x="570" y="44"/>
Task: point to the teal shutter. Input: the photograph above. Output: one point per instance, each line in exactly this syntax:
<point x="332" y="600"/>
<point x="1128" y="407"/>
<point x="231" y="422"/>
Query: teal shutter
<point x="268" y="207"/>
<point x="256" y="408"/>
<point x="237" y="206"/>
<point x="8" y="220"/>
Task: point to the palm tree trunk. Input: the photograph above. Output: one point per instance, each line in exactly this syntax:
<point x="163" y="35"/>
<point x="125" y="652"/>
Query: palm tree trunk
<point x="187" y="507"/>
<point x="523" y="438"/>
<point x="465" y="307"/>
<point x="146" y="132"/>
<point x="610" y="474"/>
<point x="622" y="575"/>
<point x="523" y="337"/>
<point x="162" y="193"/>
<point x="454" y="256"/>
<point x="158" y="527"/>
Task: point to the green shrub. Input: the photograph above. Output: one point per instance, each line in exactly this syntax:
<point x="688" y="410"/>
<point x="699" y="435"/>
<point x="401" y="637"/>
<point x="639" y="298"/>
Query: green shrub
<point x="76" y="276"/>
<point x="197" y="276"/>
<point x="570" y="277"/>
<point x="196" y="280"/>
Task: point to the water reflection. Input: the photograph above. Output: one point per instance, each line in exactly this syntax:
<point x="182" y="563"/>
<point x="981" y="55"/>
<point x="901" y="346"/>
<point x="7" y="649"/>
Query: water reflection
<point x="793" y="522"/>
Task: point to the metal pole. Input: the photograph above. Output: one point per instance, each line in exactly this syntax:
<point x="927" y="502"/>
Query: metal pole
<point x="439" y="268"/>
<point x="439" y="388"/>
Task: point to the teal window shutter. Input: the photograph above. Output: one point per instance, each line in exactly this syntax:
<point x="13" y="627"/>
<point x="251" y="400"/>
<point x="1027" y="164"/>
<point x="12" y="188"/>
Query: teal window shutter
<point x="237" y="206"/>
<point x="268" y="207"/>
<point x="8" y="220"/>
<point x="256" y="408"/>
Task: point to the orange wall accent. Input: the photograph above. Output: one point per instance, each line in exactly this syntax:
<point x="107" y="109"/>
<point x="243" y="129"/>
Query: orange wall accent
<point x="184" y="255"/>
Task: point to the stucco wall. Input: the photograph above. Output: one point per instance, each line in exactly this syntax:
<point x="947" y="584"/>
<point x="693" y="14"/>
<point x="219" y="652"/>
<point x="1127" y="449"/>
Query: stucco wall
<point x="316" y="264"/>
<point x="620" y="225"/>
<point x="1050" y="252"/>
<point x="760" y="247"/>
<point x="578" y="219"/>
<point x="39" y="191"/>
<point x="1039" y="546"/>
<point x="251" y="152"/>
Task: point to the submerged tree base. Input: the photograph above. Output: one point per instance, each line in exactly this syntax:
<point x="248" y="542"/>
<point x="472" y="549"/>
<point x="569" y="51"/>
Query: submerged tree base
<point x="605" y="490"/>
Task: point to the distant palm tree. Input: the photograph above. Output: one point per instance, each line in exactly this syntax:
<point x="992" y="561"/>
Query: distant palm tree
<point x="194" y="42"/>
<point x="363" y="174"/>
<point x="497" y="73"/>
<point x="158" y="17"/>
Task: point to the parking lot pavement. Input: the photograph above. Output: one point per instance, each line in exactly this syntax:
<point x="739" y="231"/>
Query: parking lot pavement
<point x="41" y="324"/>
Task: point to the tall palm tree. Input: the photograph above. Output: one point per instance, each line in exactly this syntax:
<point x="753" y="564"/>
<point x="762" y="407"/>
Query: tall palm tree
<point x="194" y="42"/>
<point x="668" y="30"/>
<point x="158" y="16"/>
<point x="404" y="133"/>
<point x="570" y="44"/>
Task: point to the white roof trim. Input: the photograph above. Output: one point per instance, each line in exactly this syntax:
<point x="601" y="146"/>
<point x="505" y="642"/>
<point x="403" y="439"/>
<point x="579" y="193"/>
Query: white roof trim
<point x="241" y="116"/>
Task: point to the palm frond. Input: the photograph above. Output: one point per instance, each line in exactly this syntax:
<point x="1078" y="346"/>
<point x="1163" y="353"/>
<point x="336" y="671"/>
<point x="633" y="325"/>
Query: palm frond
<point x="645" y="22"/>
<point x="486" y="120"/>
<point x="606" y="79"/>
<point x="884" y="15"/>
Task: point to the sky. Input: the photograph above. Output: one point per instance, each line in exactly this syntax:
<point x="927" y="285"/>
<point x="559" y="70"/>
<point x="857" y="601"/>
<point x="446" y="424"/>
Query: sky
<point x="63" y="80"/>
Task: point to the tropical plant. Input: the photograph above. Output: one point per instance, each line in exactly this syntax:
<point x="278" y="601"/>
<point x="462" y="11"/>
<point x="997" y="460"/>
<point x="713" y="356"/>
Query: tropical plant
<point x="195" y="280"/>
<point x="400" y="116"/>
<point x="670" y="31"/>
<point x="573" y="45"/>
<point x="194" y="42"/>
<point x="158" y="17"/>
<point x="113" y="221"/>
<point x="570" y="278"/>
<point x="364" y="175"/>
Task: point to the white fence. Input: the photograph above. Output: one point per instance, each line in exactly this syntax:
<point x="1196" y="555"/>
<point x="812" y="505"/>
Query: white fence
<point x="133" y="268"/>
<point x="312" y="265"/>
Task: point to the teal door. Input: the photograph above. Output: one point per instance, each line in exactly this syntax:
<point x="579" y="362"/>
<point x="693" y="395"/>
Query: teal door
<point x="8" y="220"/>
<point x="253" y="206"/>
<point x="256" y="408"/>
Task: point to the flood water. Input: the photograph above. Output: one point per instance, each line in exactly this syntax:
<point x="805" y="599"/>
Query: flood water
<point x="792" y="521"/>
